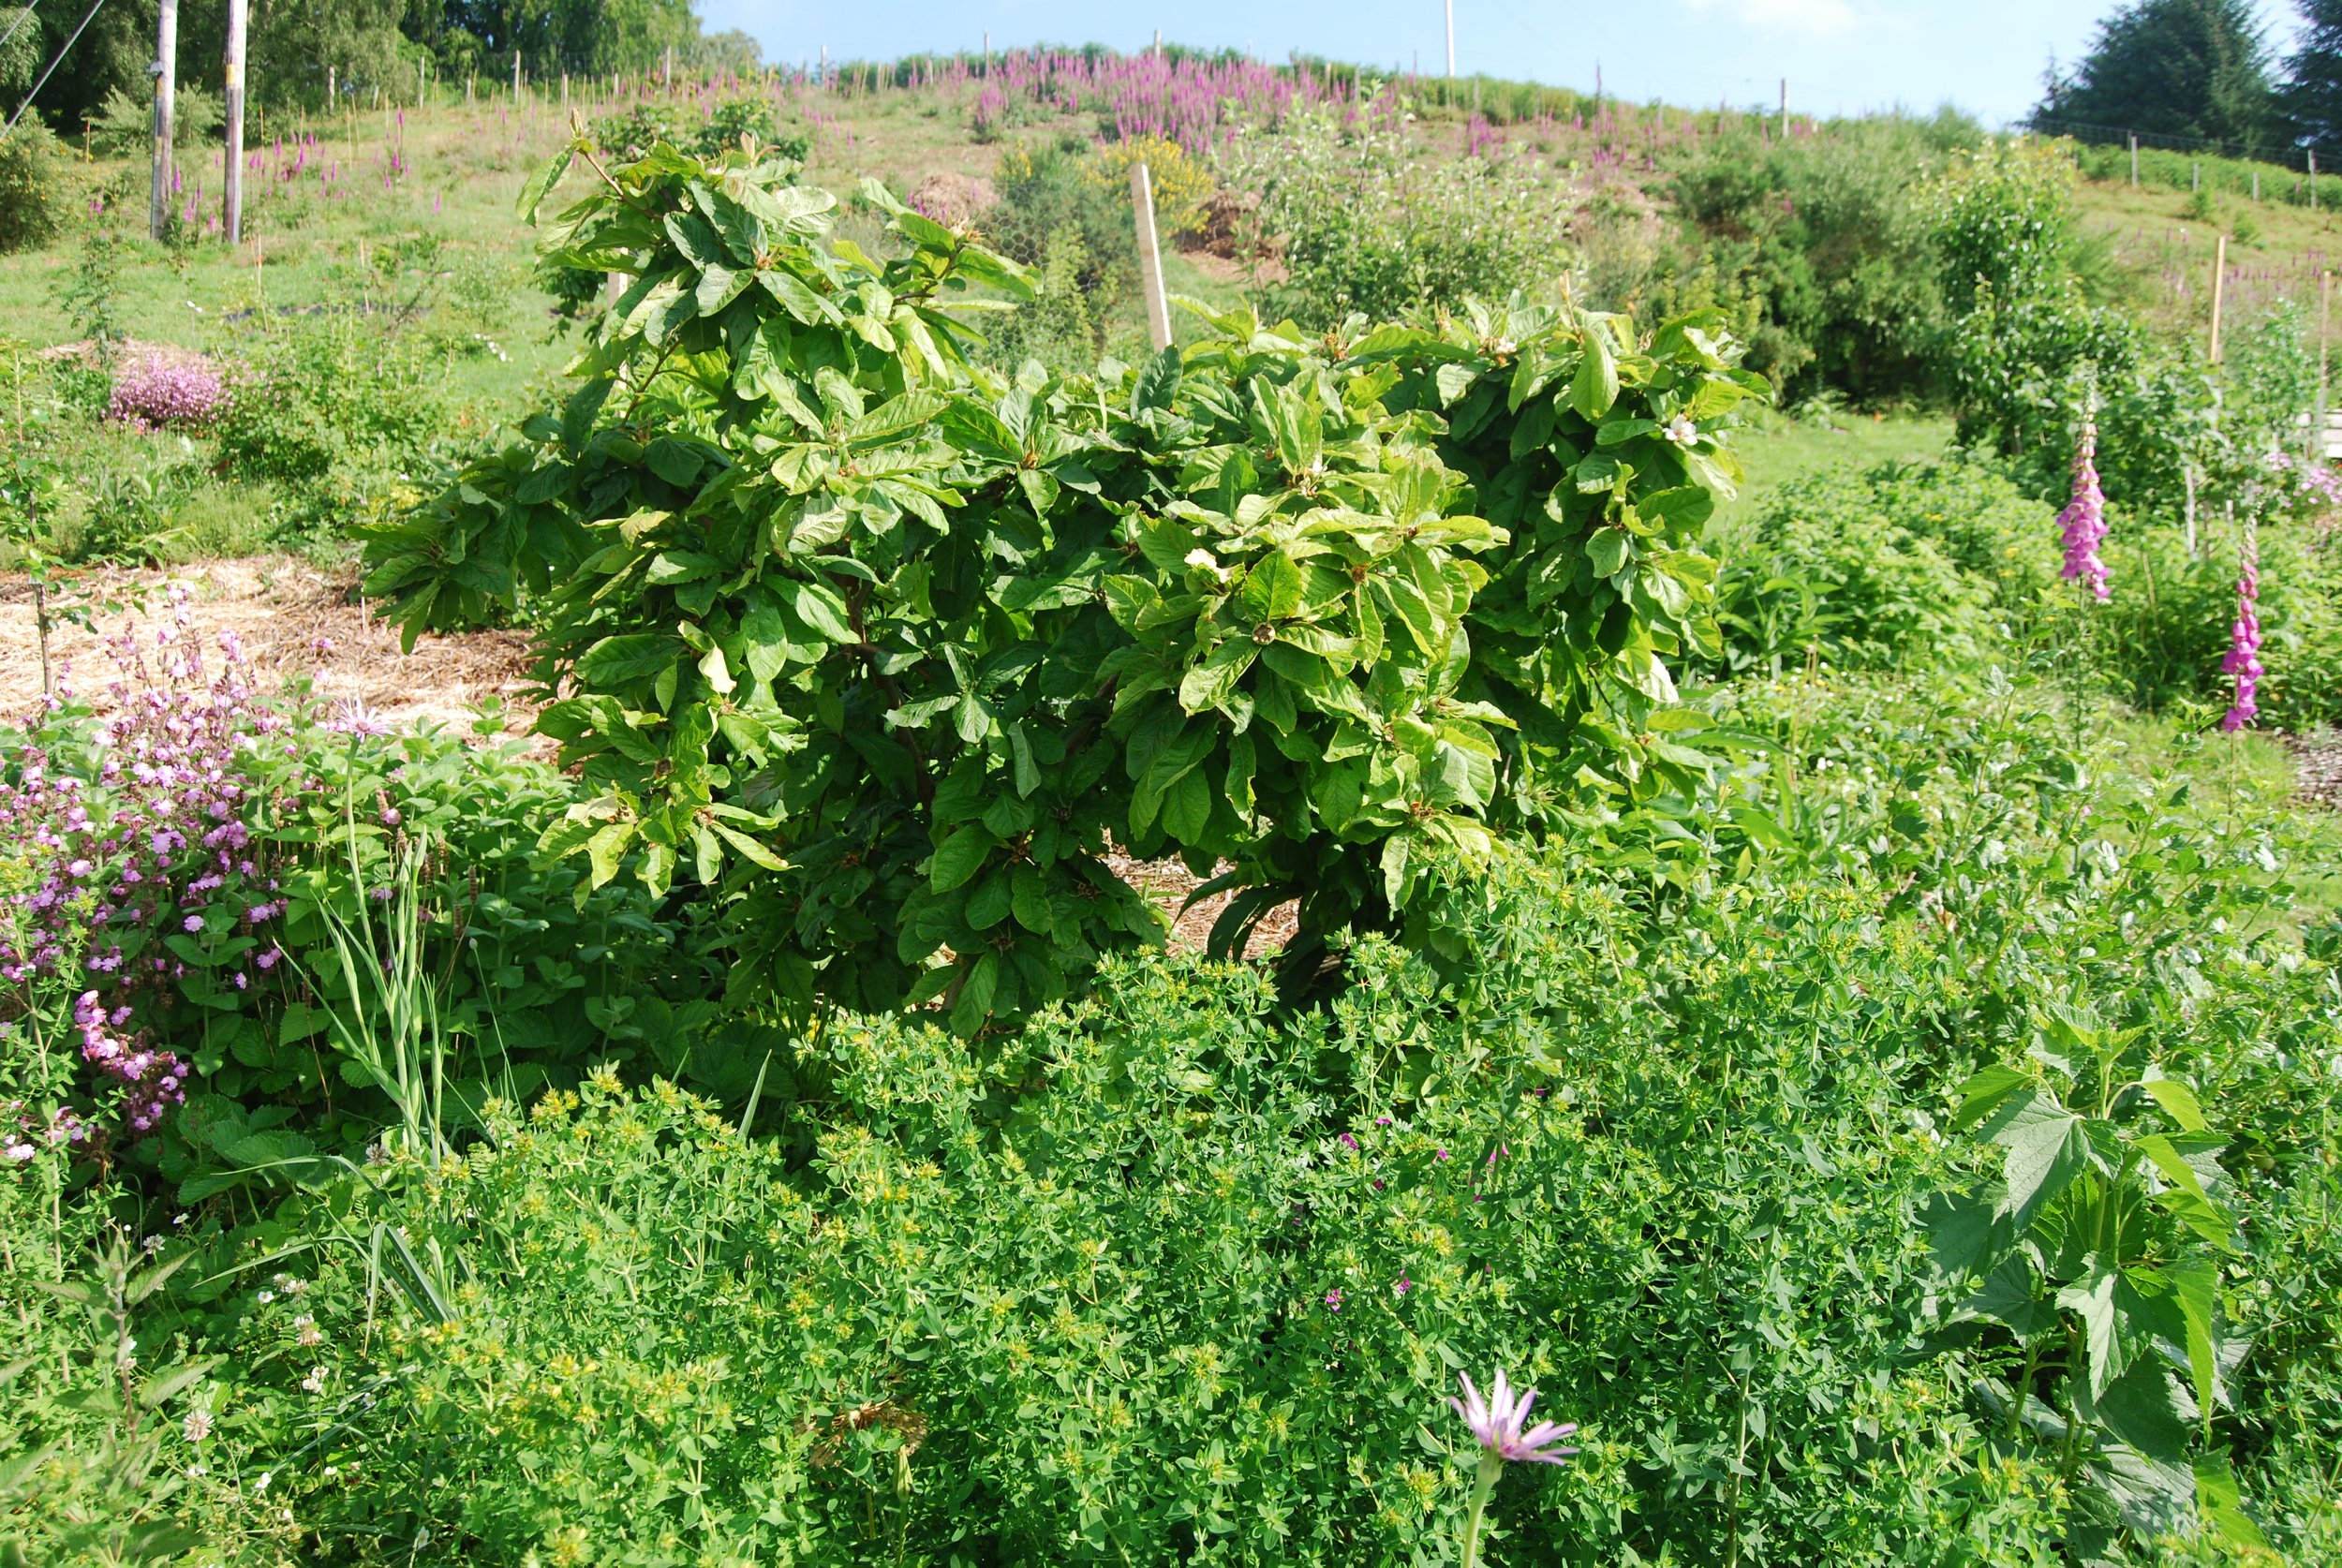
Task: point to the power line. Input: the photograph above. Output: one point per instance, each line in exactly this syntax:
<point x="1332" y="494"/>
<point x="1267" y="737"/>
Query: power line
<point x="10" y="128"/>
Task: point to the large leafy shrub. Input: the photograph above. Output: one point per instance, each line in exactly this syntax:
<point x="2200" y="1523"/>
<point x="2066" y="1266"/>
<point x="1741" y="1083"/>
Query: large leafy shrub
<point x="1364" y="222"/>
<point x="719" y="124"/>
<point x="879" y="656"/>
<point x="34" y="196"/>
<point x="2030" y="352"/>
<point x="1834" y="236"/>
<point x="1054" y="209"/>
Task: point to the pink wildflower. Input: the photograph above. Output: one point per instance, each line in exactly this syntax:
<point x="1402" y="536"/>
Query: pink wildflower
<point x="2084" y="518"/>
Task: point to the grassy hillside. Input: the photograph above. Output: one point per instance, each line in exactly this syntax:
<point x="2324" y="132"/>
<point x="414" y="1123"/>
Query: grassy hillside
<point x="397" y="223"/>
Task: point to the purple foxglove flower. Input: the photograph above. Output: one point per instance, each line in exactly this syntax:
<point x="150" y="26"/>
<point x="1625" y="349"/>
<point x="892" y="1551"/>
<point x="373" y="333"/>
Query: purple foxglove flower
<point x="2244" y="655"/>
<point x="2084" y="518"/>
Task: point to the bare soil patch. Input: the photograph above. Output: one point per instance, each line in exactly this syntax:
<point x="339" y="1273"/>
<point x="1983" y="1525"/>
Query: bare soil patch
<point x="293" y="619"/>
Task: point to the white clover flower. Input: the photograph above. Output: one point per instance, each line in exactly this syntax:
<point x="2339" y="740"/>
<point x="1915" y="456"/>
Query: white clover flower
<point x="315" y="1382"/>
<point x="197" y="1426"/>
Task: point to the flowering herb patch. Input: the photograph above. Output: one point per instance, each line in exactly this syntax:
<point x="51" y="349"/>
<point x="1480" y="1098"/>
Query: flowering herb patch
<point x="161" y="394"/>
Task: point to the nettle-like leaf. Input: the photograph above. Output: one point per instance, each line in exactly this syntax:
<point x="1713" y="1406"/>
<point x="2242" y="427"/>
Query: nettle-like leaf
<point x="2098" y="1241"/>
<point x="884" y="658"/>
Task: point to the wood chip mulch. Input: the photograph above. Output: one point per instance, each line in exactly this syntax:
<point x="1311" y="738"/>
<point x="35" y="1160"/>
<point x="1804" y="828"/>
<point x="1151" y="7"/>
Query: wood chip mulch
<point x="2317" y="767"/>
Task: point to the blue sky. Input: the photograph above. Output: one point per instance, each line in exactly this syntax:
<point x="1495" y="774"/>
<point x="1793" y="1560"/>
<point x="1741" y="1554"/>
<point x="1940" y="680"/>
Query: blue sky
<point x="1839" y="56"/>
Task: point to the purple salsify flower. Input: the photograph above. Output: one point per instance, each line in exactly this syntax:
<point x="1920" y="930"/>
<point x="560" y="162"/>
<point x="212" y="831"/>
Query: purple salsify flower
<point x="352" y="717"/>
<point x="2244" y="654"/>
<point x="2084" y="519"/>
<point x="1496" y="1424"/>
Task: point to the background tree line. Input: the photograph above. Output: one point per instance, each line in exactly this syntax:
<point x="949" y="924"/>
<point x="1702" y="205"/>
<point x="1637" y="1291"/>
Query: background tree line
<point x="2204" y="71"/>
<point x="296" y="47"/>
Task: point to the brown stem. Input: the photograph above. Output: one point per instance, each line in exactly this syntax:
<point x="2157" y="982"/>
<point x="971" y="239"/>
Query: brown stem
<point x="41" y="622"/>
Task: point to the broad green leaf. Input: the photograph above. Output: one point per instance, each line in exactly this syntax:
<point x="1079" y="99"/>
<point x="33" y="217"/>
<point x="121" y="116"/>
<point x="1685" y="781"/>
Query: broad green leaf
<point x="959" y="857"/>
<point x="2048" y="1148"/>
<point x="1596" y="387"/>
<point x="2178" y="1102"/>
<point x="540" y="184"/>
<point x="2092" y="1299"/>
<point x="1157" y="383"/>
<point x="976" y="995"/>
<point x="604" y="850"/>
<point x="823" y="609"/>
<point x="1209" y="684"/>
<point x="1273" y="587"/>
<point x="1608" y="550"/>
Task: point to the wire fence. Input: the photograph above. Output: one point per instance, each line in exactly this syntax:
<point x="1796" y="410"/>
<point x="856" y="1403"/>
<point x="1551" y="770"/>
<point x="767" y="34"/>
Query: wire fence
<point x="2295" y="156"/>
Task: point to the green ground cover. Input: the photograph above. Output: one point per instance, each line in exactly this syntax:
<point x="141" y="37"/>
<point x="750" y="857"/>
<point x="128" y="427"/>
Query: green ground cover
<point x="1774" y="961"/>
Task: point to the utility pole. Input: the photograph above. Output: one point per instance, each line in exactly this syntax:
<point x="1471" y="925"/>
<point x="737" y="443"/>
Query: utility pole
<point x="166" y="103"/>
<point x="1451" y="40"/>
<point x="233" y="188"/>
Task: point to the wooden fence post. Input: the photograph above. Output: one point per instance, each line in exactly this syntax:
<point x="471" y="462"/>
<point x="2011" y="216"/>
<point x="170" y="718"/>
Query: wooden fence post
<point x="2325" y="324"/>
<point x="2220" y="280"/>
<point x="1149" y="258"/>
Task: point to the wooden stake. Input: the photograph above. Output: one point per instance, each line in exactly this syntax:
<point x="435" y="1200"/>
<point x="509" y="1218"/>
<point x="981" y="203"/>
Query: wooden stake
<point x="232" y="194"/>
<point x="2187" y="472"/>
<point x="166" y="103"/>
<point x="2325" y="329"/>
<point x="2220" y="280"/>
<point x="1150" y="259"/>
<point x="2134" y="160"/>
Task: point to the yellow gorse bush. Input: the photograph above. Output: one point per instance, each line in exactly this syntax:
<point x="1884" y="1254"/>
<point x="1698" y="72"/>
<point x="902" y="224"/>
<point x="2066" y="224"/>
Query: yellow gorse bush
<point x="1182" y="181"/>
